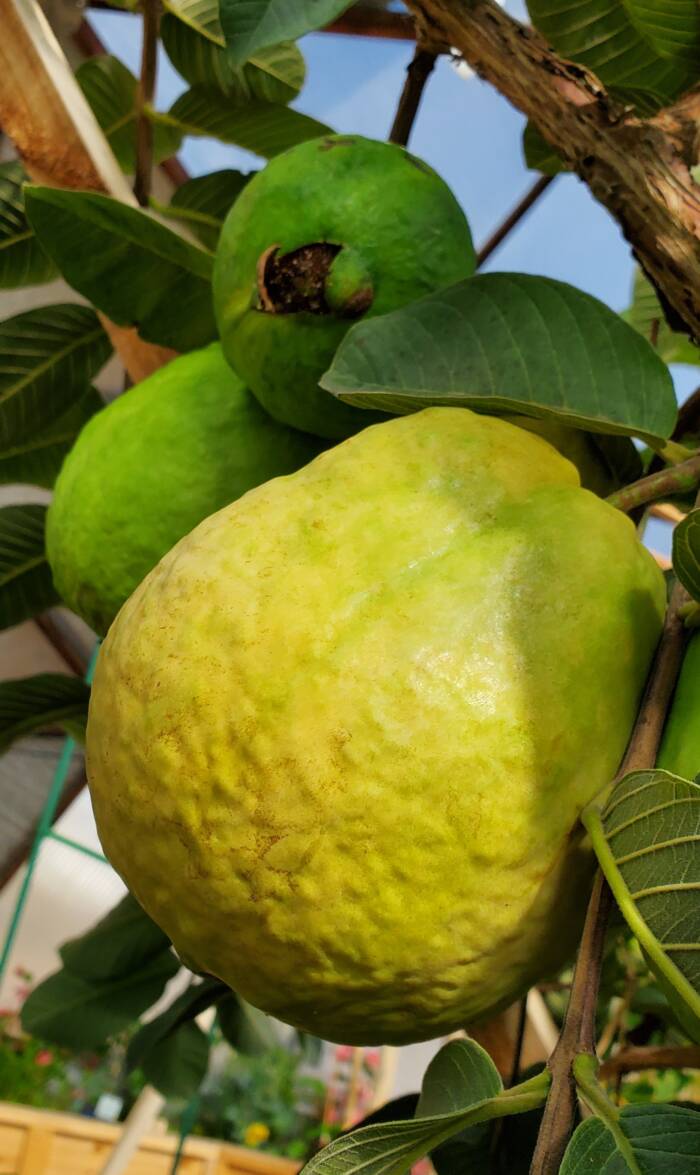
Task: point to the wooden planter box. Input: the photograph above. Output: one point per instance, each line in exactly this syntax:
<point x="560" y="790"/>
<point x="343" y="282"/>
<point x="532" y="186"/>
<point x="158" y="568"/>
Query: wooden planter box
<point x="41" y="1142"/>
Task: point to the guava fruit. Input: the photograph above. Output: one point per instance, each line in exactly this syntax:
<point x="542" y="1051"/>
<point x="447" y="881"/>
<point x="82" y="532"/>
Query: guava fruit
<point x="149" y="467"/>
<point x="330" y="231"/>
<point x="340" y="737"/>
<point x="679" y="752"/>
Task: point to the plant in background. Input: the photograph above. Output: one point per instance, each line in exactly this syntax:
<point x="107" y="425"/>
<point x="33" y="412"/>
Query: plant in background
<point x="428" y="647"/>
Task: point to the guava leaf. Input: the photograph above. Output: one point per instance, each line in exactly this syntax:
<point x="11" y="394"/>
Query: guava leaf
<point x="26" y="585"/>
<point x="153" y="1036"/>
<point x="134" y="269"/>
<point x="275" y="74"/>
<point x="203" y="203"/>
<point x="37" y="459"/>
<point x="538" y="154"/>
<point x="23" y="262"/>
<point x="662" y="1140"/>
<point x="686" y="553"/>
<point x="178" y="1066"/>
<point x="647" y="317"/>
<point x="508" y="342"/>
<point x="246" y="1029"/>
<point x="200" y="15"/>
<point x="47" y="359"/>
<point x="646" y="839"/>
<point x="461" y="1088"/>
<point x="121" y="942"/>
<point x="82" y="1014"/>
<point x="645" y="51"/>
<point x="111" y="91"/>
<point x="250" y="25"/>
<point x="47" y="699"/>
<point x="265" y="128"/>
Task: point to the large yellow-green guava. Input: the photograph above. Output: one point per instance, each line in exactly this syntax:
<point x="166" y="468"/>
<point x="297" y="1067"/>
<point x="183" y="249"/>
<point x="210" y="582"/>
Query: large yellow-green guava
<point x="149" y="467"/>
<point x="340" y="737"/>
<point x="680" y="746"/>
<point x="334" y="229"/>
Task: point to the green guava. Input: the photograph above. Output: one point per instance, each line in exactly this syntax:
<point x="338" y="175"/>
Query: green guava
<point x="150" y="466"/>
<point x="339" y="739"/>
<point x="330" y="231"/>
<point x="679" y="752"/>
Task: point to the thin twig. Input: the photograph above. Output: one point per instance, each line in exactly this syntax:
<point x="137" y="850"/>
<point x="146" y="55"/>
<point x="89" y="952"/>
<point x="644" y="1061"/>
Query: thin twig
<point x="578" y="1033"/>
<point x="417" y="75"/>
<point x="677" y="479"/>
<point x="633" y="1060"/>
<point x="144" y="98"/>
<point x="538" y="189"/>
<point x="519" y="1041"/>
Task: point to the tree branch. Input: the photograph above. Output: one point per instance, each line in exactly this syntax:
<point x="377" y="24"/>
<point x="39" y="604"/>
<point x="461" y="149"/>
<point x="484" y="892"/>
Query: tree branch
<point x="639" y="169"/>
<point x="417" y="74"/>
<point x="145" y="94"/>
<point x="678" y="479"/>
<point x="632" y="1060"/>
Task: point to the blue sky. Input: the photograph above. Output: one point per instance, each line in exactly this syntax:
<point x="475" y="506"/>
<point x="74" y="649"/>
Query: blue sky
<point x="469" y="134"/>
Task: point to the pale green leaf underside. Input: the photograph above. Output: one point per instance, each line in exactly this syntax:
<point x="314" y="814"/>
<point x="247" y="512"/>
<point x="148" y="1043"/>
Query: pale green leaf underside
<point x="250" y="25"/>
<point x="647" y="840"/>
<point x="22" y="260"/>
<point x="275" y="74"/>
<point x="506" y="342"/>
<point x="461" y="1088"/>
<point x="643" y="49"/>
<point x="200" y="15"/>
<point x="137" y="271"/>
<point x="111" y="91"/>
<point x="647" y="317"/>
<point x="265" y="128"/>
<point x="686" y="554"/>
<point x="33" y="703"/>
<point x="48" y="357"/>
<point x="26" y="586"/>
<point x="664" y="1140"/>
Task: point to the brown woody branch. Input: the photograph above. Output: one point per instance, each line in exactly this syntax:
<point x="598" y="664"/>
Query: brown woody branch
<point x="417" y="75"/>
<point x="639" y="169"/>
<point x="634" y="1060"/>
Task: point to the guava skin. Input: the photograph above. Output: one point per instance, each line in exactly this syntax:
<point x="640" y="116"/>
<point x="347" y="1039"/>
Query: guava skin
<point x="679" y="752"/>
<point x="340" y="737"/>
<point x="148" y="468"/>
<point x="401" y="230"/>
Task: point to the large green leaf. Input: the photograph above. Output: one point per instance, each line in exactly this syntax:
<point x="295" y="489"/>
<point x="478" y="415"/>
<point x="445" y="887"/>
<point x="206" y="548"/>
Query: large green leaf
<point x="658" y="1140"/>
<point x="538" y="154"/>
<point x="275" y="74"/>
<point x="134" y="269"/>
<point x="200" y="15"/>
<point x="646" y="839"/>
<point x="686" y="553"/>
<point x="647" y="317"/>
<point x="22" y="260"/>
<point x="506" y="342"/>
<point x="645" y="51"/>
<point x="111" y="91"/>
<point x="202" y="203"/>
<point x="82" y="1014"/>
<point x="47" y="699"/>
<point x="121" y="942"/>
<point x="461" y="1088"/>
<point x="37" y="459"/>
<point x="265" y="128"/>
<point x="47" y="359"/>
<point x="179" y="1064"/>
<point x="250" y="25"/>
<point x="246" y="1029"/>
<point x="26" y="586"/>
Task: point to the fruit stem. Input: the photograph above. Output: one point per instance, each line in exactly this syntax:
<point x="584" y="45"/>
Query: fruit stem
<point x="417" y="75"/>
<point x="677" y="479"/>
<point x="144" y="98"/>
<point x="578" y="1032"/>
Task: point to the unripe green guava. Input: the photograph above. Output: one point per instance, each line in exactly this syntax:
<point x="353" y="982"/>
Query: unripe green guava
<point x="680" y="747"/>
<point x="149" y="467"/>
<point x="333" y="230"/>
<point x="339" y="739"/>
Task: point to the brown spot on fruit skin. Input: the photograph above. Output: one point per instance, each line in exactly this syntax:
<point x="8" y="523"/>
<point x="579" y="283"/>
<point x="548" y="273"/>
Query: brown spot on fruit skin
<point x="329" y="144"/>
<point x="295" y="282"/>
